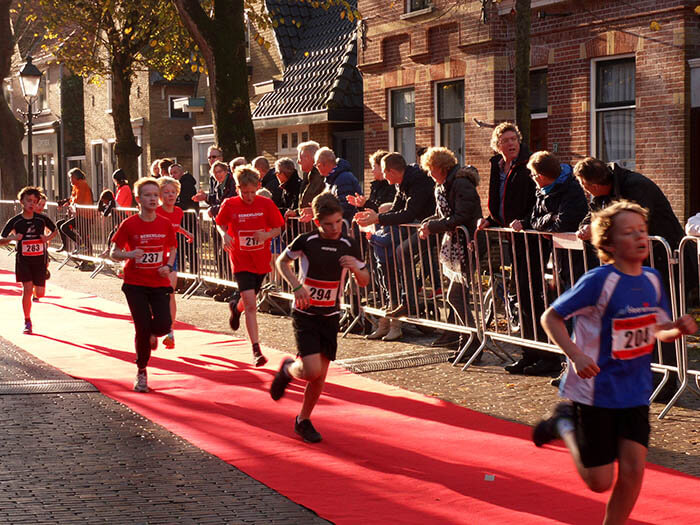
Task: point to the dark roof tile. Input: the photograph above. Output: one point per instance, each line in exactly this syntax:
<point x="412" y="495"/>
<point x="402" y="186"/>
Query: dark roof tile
<point x="320" y="59"/>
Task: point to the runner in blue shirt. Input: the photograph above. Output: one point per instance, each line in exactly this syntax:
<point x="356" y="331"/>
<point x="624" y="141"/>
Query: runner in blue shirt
<point x="620" y="310"/>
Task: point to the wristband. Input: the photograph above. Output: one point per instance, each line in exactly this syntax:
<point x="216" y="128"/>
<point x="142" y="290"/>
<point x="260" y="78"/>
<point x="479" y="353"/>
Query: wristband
<point x="298" y="288"/>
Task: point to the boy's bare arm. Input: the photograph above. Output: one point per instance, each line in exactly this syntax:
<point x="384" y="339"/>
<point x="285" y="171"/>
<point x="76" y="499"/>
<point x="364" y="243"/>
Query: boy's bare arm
<point x="684" y="325"/>
<point x="352" y="264"/>
<point x="553" y="324"/>
<point x="285" y="266"/>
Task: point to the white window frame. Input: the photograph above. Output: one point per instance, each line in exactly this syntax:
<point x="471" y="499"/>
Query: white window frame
<point x="594" y="112"/>
<point x="426" y="8"/>
<point x="436" y="112"/>
<point x="290" y="151"/>
<point x="392" y="145"/>
<point x="170" y="108"/>
<point x="42" y="103"/>
<point x="535" y="116"/>
<point x="111" y="145"/>
<point x="93" y="164"/>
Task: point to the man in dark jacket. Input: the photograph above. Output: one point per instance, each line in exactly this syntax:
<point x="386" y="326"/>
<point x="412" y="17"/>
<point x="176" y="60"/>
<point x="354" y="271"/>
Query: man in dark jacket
<point x="512" y="197"/>
<point x="559" y="207"/>
<point x="340" y="180"/>
<point x="414" y="201"/>
<point x="609" y="182"/>
<point x="312" y="182"/>
<point x="289" y="183"/>
<point x="268" y="178"/>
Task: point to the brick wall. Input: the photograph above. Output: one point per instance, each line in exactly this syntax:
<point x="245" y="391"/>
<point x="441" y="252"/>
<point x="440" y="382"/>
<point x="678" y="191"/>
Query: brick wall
<point x="451" y="43"/>
<point x="170" y="137"/>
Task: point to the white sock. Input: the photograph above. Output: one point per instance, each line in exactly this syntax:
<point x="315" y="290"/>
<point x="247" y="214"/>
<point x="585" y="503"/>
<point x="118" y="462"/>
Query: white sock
<point x="564" y="425"/>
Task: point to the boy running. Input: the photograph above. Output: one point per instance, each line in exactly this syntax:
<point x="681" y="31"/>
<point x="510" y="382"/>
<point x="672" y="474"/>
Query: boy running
<point x="325" y="257"/>
<point x="621" y="309"/>
<point x="246" y="224"/>
<point x="147" y="242"/>
<point x="29" y="230"/>
<point x="169" y="191"/>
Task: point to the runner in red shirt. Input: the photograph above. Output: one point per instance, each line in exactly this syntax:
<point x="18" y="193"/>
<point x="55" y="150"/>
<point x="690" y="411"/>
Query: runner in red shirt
<point x="247" y="223"/>
<point x="169" y="191"/>
<point x="147" y="242"/>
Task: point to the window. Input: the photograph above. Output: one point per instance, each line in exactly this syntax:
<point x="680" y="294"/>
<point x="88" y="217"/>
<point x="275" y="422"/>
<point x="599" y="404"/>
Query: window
<point x="109" y="94"/>
<point x="97" y="168"/>
<point x="450" y="116"/>
<point x="112" y="155"/>
<point x="416" y="5"/>
<point x="177" y="113"/>
<point x="42" y="98"/>
<point x="403" y="125"/>
<point x="538" y="110"/>
<point x="614" y="108"/>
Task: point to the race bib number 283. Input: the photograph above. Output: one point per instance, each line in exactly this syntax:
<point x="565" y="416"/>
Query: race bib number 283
<point x="33" y="247"/>
<point x="633" y="336"/>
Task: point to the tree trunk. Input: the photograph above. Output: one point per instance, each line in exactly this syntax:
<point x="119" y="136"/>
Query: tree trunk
<point x="14" y="172"/>
<point x="522" y="67"/>
<point x="221" y="40"/>
<point x="126" y="148"/>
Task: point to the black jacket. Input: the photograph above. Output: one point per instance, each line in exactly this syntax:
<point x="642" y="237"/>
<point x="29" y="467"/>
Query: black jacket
<point x="414" y="199"/>
<point x="272" y="184"/>
<point x="289" y="193"/>
<point x="188" y="189"/>
<point x="219" y="192"/>
<point x="380" y="191"/>
<point x="464" y="202"/>
<point x="519" y="193"/>
<point x="312" y="183"/>
<point x="642" y="190"/>
<point x="560" y="210"/>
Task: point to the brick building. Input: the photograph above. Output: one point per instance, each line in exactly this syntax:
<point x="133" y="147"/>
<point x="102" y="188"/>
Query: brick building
<point x="604" y="82"/>
<point x="160" y="129"/>
<point x="57" y="135"/>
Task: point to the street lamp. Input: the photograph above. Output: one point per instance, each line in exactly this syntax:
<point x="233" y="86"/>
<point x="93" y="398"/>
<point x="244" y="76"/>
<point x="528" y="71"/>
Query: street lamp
<point x="29" y="80"/>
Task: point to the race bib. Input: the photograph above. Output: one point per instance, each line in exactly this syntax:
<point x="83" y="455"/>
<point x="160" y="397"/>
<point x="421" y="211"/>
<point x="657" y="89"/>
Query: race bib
<point x="322" y="293"/>
<point x="32" y="248"/>
<point x="633" y="336"/>
<point x="151" y="258"/>
<point x="246" y="240"/>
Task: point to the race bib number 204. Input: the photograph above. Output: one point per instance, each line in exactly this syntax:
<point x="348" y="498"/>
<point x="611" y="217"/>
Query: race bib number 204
<point x="633" y="336"/>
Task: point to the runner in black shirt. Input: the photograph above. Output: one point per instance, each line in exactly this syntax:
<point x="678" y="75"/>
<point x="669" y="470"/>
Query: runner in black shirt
<point x="28" y="229"/>
<point x="325" y="258"/>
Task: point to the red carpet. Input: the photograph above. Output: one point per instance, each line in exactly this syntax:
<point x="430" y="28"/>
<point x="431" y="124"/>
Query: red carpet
<point x="388" y="455"/>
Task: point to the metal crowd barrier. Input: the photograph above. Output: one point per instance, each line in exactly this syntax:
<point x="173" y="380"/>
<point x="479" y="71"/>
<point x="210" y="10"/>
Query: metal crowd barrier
<point x="689" y="287"/>
<point x="508" y="278"/>
<point x="406" y="270"/>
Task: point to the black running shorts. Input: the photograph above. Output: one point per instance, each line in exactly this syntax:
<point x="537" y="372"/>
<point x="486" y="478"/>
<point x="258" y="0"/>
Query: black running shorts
<point x="598" y="431"/>
<point x="249" y="281"/>
<point x="316" y="334"/>
<point x="34" y="272"/>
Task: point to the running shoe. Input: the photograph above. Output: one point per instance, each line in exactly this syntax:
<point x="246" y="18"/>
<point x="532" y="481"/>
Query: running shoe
<point x="234" y="320"/>
<point x="281" y="380"/>
<point x="169" y="341"/>
<point x="141" y="382"/>
<point x="27" y="327"/>
<point x="258" y="358"/>
<point x="546" y="430"/>
<point x="306" y="430"/>
<point x="35" y="299"/>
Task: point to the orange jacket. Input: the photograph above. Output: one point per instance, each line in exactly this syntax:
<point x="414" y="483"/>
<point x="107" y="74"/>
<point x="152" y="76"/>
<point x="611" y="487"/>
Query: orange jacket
<point x="81" y="193"/>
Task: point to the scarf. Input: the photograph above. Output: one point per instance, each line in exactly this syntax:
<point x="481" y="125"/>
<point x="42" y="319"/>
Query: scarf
<point x="452" y="256"/>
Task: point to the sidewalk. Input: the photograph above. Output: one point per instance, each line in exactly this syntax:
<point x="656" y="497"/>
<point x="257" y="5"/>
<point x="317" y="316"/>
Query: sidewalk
<point x="79" y="457"/>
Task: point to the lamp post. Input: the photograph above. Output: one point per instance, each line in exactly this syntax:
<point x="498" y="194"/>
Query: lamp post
<point x="29" y="79"/>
